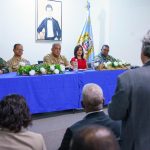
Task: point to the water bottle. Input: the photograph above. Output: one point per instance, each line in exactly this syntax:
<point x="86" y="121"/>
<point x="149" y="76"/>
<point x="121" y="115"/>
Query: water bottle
<point x="75" y="65"/>
<point x="92" y="65"/>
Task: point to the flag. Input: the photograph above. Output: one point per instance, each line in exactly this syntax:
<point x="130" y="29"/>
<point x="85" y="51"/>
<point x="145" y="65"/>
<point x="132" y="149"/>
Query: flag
<point x="86" y="38"/>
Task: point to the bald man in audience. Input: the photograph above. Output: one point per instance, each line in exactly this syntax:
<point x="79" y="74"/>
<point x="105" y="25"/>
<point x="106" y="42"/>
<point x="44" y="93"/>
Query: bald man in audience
<point x="94" y="138"/>
<point x="55" y="57"/>
<point x="92" y="103"/>
<point x="13" y="63"/>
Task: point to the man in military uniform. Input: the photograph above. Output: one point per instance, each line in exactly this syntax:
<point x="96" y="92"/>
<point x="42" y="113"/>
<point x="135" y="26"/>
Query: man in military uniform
<point x="103" y="56"/>
<point x="3" y="67"/>
<point x="13" y="63"/>
<point x="54" y="57"/>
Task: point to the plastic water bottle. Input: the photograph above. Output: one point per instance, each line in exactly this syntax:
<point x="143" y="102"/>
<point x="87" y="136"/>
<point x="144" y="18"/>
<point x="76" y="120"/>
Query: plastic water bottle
<point x="75" y="65"/>
<point x="92" y="65"/>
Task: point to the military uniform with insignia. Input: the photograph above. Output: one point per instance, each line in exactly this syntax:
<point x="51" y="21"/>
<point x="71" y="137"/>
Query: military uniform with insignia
<point x="13" y="63"/>
<point x="50" y="59"/>
<point x="102" y="58"/>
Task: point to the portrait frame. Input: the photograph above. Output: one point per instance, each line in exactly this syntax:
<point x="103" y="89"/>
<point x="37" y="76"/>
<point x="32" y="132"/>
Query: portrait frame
<point x="48" y="20"/>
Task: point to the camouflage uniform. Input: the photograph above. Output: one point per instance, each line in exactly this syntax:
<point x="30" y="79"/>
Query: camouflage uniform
<point x="3" y="66"/>
<point x="101" y="58"/>
<point x="50" y="59"/>
<point x="13" y="63"/>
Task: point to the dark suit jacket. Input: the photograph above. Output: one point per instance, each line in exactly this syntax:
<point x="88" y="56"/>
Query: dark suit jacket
<point x="131" y="104"/>
<point x="56" y="29"/>
<point x="96" y="118"/>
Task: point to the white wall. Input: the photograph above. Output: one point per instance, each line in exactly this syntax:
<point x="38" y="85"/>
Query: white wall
<point x="129" y="21"/>
<point x="121" y="24"/>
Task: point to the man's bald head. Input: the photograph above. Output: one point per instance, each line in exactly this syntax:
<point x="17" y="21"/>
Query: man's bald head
<point x="94" y="138"/>
<point x="92" y="97"/>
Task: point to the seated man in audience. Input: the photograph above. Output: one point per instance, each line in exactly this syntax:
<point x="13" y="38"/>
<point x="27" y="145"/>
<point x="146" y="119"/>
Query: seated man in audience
<point x="54" y="57"/>
<point x="93" y="104"/>
<point x="103" y="56"/>
<point x="3" y="67"/>
<point x="13" y="63"/>
<point x="14" y="120"/>
<point x="94" y="138"/>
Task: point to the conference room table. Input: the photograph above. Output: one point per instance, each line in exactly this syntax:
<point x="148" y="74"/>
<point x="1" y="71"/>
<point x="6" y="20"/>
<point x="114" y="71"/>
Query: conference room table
<point x="57" y="92"/>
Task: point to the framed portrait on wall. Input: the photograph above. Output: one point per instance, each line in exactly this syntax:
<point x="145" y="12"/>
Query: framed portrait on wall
<point x="49" y="20"/>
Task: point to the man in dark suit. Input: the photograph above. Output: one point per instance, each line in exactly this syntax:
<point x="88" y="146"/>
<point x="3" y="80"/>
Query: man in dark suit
<point x="50" y="25"/>
<point x="131" y="103"/>
<point x="92" y="103"/>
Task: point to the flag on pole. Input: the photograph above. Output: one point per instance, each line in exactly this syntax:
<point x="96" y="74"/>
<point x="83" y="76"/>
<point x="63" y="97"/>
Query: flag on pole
<point x="86" y="38"/>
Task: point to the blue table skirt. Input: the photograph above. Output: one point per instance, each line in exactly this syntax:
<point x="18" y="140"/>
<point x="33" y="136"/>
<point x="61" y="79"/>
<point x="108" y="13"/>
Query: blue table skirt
<point x="48" y="93"/>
